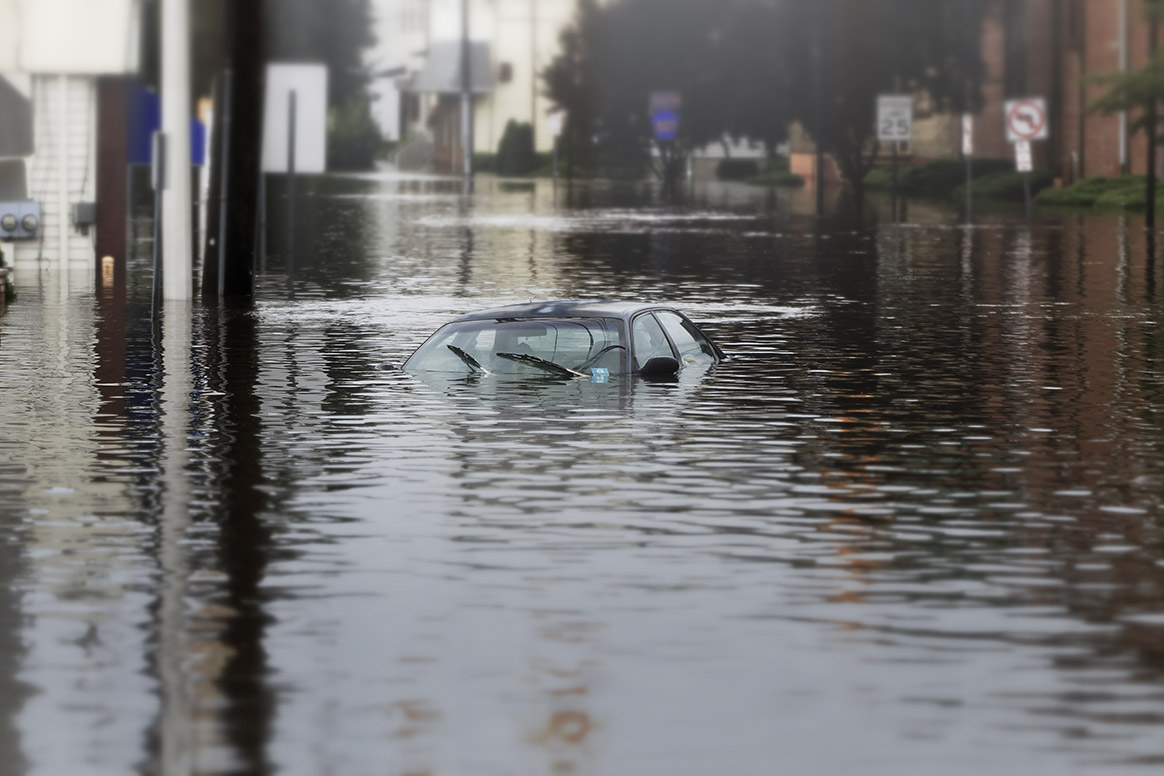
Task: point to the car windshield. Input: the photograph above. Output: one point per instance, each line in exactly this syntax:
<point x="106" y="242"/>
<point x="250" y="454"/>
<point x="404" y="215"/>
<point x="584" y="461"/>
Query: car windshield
<point x="505" y="347"/>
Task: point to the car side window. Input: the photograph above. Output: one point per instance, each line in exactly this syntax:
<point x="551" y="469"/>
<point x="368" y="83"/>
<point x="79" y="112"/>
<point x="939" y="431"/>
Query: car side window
<point x="650" y="342"/>
<point x="692" y="345"/>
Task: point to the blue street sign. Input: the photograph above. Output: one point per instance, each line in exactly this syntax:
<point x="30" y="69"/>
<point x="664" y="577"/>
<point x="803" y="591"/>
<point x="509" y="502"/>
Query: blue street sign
<point x="666" y="124"/>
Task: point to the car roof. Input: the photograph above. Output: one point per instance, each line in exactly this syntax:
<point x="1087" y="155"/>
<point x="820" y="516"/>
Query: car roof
<point x="565" y="309"/>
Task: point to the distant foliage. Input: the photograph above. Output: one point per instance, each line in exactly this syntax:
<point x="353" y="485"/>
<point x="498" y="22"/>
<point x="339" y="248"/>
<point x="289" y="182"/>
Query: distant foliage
<point x="1124" y="192"/>
<point x="736" y="169"/>
<point x="749" y="68"/>
<point x="1006" y="185"/>
<point x="515" y="152"/>
<point x="353" y="139"/>
<point x="937" y="178"/>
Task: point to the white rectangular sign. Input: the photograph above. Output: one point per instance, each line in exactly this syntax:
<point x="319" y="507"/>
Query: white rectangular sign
<point x="894" y="117"/>
<point x="967" y="134"/>
<point x="554" y="120"/>
<point x="309" y="85"/>
<point x="1022" y="156"/>
<point x="1026" y="119"/>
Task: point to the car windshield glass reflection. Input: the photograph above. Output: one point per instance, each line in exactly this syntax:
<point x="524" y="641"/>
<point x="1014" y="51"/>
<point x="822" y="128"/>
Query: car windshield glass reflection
<point x="502" y="347"/>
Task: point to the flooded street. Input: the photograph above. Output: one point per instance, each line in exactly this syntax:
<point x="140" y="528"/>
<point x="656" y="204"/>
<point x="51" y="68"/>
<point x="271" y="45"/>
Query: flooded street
<point x="911" y="526"/>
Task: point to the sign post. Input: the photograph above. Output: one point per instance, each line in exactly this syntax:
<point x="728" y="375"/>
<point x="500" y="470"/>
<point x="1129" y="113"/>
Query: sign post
<point x="158" y="179"/>
<point x="1022" y="163"/>
<point x="555" y="123"/>
<point x="968" y="153"/>
<point x="294" y="132"/>
<point x="664" y="109"/>
<point x="1026" y="120"/>
<point x="894" y="124"/>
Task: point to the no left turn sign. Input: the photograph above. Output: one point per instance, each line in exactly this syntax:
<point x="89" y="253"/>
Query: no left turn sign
<point x="1026" y="119"/>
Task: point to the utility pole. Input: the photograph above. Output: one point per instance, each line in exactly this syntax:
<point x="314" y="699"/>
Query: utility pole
<point x="1123" y="68"/>
<point x="533" y="70"/>
<point x="229" y="265"/>
<point x="466" y="95"/>
<point x="1151" y="119"/>
<point x="177" y="204"/>
<point x="818" y="128"/>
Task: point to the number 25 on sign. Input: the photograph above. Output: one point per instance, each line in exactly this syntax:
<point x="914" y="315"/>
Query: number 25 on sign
<point x="894" y="117"/>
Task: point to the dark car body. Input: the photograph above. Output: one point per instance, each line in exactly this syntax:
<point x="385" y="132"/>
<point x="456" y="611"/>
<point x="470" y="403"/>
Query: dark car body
<point x="569" y="339"/>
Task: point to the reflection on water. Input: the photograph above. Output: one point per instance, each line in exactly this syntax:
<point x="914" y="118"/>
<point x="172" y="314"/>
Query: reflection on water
<point x="911" y="526"/>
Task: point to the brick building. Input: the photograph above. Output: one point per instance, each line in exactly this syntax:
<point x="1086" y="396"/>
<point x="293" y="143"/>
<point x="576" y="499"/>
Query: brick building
<point x="1049" y="48"/>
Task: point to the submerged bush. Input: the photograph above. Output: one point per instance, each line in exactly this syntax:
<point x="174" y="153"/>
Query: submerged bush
<point x="1124" y="192"/>
<point x="1007" y="185"/>
<point x="777" y="178"/>
<point x="515" y="152"/>
<point x="936" y="178"/>
<point x="736" y="169"/>
<point x="353" y="139"/>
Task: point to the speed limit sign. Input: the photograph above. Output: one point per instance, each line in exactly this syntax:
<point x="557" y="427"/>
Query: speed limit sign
<point x="894" y="117"/>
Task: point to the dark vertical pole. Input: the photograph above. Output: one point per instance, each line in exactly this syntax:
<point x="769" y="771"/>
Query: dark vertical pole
<point x="224" y="193"/>
<point x="213" y="237"/>
<point x="466" y="96"/>
<point x="1081" y="21"/>
<point x="817" y="129"/>
<point x="239" y="153"/>
<point x="1151" y="117"/>
<point x="261" y="235"/>
<point x="893" y="184"/>
<point x="159" y="180"/>
<point x="112" y="176"/>
<point x="289" y="250"/>
<point x="969" y="191"/>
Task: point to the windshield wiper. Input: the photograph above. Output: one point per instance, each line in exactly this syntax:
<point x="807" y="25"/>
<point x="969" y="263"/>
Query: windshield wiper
<point x="472" y="362"/>
<point x="593" y="359"/>
<point x="542" y="363"/>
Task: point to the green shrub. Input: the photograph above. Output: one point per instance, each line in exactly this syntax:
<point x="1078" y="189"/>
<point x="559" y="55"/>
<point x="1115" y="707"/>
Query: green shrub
<point x="515" y="152"/>
<point x="736" y="169"/>
<point x="484" y="162"/>
<point x="1006" y="185"/>
<point x="776" y="178"/>
<point x="1127" y="198"/>
<point x="353" y="139"/>
<point x="936" y="178"/>
<point x="1125" y="192"/>
<point x="879" y="178"/>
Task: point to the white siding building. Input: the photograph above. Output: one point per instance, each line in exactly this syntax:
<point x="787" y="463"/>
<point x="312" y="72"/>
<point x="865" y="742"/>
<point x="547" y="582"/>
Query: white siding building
<point x="522" y="37"/>
<point x="53" y="51"/>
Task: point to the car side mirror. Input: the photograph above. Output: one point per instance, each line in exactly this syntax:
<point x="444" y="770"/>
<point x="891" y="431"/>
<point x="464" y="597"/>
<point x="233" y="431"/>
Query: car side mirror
<point x="659" y="366"/>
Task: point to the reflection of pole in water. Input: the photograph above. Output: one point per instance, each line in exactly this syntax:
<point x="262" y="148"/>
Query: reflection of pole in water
<point x="244" y="539"/>
<point x="176" y="747"/>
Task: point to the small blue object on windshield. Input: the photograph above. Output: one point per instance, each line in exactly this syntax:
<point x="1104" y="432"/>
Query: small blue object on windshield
<point x="599" y="374"/>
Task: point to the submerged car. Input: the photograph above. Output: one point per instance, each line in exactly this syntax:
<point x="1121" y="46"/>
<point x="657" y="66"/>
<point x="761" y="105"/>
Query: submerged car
<point x="567" y="339"/>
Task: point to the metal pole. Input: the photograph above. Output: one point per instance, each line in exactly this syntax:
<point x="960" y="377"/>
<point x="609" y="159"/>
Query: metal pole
<point x="159" y="181"/>
<point x="466" y="94"/>
<point x="178" y="233"/>
<point x="893" y="185"/>
<point x="969" y="192"/>
<point x="224" y="174"/>
<point x="1123" y="66"/>
<point x="290" y="249"/>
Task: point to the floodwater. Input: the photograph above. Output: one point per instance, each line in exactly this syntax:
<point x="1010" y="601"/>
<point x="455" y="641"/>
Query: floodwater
<point x="913" y="526"/>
